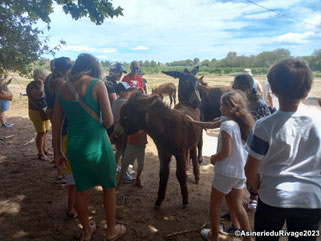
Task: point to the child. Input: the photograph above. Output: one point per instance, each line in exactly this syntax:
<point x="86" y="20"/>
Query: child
<point x="284" y="161"/>
<point x="229" y="162"/>
<point x="4" y="104"/>
<point x="136" y="143"/>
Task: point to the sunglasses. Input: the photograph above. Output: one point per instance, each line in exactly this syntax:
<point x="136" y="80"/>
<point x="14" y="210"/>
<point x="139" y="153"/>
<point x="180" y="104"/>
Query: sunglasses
<point x="135" y="68"/>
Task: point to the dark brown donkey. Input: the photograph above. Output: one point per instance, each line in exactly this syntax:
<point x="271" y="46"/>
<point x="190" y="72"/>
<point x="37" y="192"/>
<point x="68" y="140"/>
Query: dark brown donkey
<point x="166" y="89"/>
<point x="171" y="131"/>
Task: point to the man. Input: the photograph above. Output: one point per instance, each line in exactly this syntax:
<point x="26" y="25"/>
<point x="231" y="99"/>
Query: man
<point x="115" y="72"/>
<point x="133" y="79"/>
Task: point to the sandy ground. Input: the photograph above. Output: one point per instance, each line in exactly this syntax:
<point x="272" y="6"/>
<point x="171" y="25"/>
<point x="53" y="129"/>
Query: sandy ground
<point x="32" y="206"/>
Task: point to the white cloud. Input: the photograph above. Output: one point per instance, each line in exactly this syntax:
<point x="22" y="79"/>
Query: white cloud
<point x="140" y="47"/>
<point x="297" y="38"/>
<point x="83" y="48"/>
<point x="260" y="15"/>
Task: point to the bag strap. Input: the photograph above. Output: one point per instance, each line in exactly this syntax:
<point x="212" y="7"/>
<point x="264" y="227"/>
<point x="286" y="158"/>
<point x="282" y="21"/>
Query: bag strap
<point x="83" y="105"/>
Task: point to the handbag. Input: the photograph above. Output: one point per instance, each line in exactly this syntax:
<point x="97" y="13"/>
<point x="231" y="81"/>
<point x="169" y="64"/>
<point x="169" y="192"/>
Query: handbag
<point x="83" y="105"/>
<point x="6" y="95"/>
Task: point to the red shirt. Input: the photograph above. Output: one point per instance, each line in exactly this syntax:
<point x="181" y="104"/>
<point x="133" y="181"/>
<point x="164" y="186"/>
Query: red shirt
<point x="133" y="81"/>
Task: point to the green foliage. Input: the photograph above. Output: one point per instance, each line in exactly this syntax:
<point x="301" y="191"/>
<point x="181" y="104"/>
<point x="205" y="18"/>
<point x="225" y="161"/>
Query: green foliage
<point x="21" y="43"/>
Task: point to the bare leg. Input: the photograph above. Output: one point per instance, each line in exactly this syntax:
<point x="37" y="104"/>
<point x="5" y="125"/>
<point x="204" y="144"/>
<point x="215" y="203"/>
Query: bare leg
<point x="2" y="118"/>
<point x="110" y="211"/>
<point x="215" y="212"/>
<point x="82" y="209"/>
<point x="71" y="198"/>
<point x="237" y="207"/>
<point x="122" y="174"/>
<point x="235" y="221"/>
<point x="39" y="143"/>
<point x="44" y="142"/>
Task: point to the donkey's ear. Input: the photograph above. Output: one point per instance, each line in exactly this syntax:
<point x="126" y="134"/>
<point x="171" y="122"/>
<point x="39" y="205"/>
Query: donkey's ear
<point x="174" y="74"/>
<point x="186" y="71"/>
<point x="195" y="70"/>
<point x="146" y="102"/>
<point x="201" y="78"/>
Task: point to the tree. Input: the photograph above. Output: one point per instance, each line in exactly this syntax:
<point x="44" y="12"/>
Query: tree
<point x="196" y="61"/>
<point x="21" y="43"/>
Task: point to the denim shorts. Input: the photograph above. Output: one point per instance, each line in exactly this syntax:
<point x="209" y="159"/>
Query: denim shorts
<point x="4" y="105"/>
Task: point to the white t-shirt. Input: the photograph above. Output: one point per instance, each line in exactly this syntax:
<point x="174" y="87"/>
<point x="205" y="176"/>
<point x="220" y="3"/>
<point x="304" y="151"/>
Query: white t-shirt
<point x="116" y="108"/>
<point x="288" y="145"/>
<point x="266" y="91"/>
<point x="233" y="165"/>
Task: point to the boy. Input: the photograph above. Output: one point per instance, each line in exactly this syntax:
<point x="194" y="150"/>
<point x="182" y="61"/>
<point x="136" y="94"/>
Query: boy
<point x="284" y="156"/>
<point x="136" y="143"/>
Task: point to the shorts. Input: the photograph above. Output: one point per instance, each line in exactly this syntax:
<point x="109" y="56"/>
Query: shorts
<point x="4" y="105"/>
<point x="40" y="125"/>
<point x="132" y="152"/>
<point x="69" y="179"/>
<point x="225" y="184"/>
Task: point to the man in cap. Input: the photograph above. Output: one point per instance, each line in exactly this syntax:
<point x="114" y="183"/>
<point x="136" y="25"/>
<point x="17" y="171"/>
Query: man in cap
<point x="116" y="70"/>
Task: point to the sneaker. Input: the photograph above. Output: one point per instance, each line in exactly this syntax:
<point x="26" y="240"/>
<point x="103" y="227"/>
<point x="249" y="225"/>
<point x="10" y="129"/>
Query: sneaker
<point x="225" y="216"/>
<point x="227" y="229"/>
<point x="8" y="125"/>
<point x="118" y="168"/>
<point x="130" y="171"/>
<point x="128" y="179"/>
<point x="60" y="180"/>
<point x="252" y="205"/>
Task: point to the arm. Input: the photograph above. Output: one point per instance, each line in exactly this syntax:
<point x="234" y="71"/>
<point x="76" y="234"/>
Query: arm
<point x="103" y="100"/>
<point x="206" y="125"/>
<point x="251" y="172"/>
<point x="226" y="148"/>
<point x="112" y="97"/>
<point x="57" y="121"/>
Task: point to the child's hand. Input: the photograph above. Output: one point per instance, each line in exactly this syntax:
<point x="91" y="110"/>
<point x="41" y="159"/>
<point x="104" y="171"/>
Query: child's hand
<point x="188" y="117"/>
<point x="217" y="118"/>
<point x="60" y="161"/>
<point x="213" y="159"/>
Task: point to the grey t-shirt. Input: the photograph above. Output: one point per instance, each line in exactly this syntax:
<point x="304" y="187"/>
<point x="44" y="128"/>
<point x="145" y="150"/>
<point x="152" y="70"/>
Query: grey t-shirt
<point x="116" y="108"/>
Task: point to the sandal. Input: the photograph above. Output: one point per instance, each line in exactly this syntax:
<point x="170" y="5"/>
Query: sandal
<point x="252" y="205"/>
<point x="204" y="233"/>
<point x="48" y="153"/>
<point x="139" y="183"/>
<point x="93" y="225"/>
<point x="42" y="157"/>
<point x="121" y="233"/>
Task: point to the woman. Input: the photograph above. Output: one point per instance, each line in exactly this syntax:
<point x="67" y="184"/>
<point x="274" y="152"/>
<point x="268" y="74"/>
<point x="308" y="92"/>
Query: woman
<point x="4" y="104"/>
<point x="37" y="111"/>
<point x="88" y="148"/>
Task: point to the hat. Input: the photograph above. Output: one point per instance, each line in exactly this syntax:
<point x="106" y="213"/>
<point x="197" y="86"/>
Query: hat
<point x="121" y="86"/>
<point x="248" y="71"/>
<point x="116" y="66"/>
<point x="63" y="63"/>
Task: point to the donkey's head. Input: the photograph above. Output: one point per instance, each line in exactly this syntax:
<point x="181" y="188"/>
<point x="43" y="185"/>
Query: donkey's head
<point x="187" y="86"/>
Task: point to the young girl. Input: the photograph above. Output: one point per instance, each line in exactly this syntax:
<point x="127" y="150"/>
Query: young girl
<point x="229" y="162"/>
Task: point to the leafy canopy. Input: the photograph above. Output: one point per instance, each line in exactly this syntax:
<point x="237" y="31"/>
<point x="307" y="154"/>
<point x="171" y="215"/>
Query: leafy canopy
<point x="21" y="43"/>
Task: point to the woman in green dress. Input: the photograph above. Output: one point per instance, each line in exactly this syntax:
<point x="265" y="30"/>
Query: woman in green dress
<point x="88" y="148"/>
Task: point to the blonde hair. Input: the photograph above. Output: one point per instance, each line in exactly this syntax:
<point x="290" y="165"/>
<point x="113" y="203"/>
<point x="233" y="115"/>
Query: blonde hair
<point x="236" y="103"/>
<point x="39" y="73"/>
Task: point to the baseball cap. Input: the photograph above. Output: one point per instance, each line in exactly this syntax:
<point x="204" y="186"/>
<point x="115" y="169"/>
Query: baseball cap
<point x="116" y="66"/>
<point x="121" y="86"/>
<point x="63" y="63"/>
<point x="248" y="71"/>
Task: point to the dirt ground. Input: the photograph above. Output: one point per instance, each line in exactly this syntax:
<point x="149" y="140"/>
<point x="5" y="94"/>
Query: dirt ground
<point x="32" y="206"/>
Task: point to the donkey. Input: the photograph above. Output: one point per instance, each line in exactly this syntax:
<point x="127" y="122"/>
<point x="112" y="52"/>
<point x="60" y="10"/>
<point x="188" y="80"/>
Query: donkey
<point x="190" y="90"/>
<point x="171" y="131"/>
<point x="166" y="89"/>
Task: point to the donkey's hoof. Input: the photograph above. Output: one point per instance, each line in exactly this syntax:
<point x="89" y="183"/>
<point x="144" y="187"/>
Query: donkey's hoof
<point x="185" y="206"/>
<point x="197" y="182"/>
<point x="156" y="207"/>
<point x="200" y="160"/>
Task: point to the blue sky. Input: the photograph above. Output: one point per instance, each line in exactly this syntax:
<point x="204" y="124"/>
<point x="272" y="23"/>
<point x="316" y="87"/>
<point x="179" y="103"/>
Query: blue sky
<point x="171" y="30"/>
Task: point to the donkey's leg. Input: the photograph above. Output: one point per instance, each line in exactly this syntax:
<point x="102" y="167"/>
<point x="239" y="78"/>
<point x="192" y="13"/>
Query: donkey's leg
<point x="196" y="168"/>
<point x="182" y="177"/>
<point x="200" y="147"/>
<point x="163" y="175"/>
<point x="170" y="99"/>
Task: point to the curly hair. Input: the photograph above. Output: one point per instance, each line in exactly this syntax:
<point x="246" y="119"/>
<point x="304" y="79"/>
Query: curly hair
<point x="86" y="64"/>
<point x="236" y="103"/>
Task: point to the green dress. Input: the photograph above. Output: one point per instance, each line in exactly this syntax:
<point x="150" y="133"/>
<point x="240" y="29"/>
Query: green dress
<point x="89" y="152"/>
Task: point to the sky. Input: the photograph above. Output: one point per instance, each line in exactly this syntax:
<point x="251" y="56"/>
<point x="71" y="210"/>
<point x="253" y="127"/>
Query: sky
<point x="169" y="30"/>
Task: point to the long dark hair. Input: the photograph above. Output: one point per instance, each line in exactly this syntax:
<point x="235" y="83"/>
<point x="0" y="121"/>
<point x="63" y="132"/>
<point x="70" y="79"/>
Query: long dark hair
<point x="245" y="83"/>
<point x="236" y="103"/>
<point x="86" y="64"/>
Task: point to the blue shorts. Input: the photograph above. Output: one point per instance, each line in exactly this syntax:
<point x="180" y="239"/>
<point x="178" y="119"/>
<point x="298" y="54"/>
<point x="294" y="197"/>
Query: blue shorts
<point x="4" y="105"/>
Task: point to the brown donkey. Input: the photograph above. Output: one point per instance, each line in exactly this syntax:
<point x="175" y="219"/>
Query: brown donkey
<point x="171" y="131"/>
<point x="164" y="90"/>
